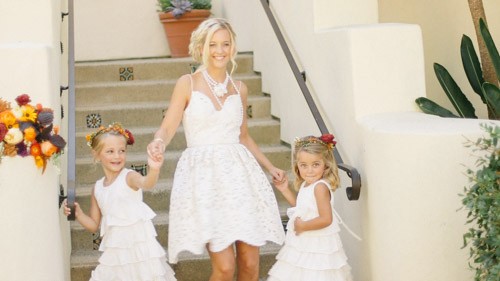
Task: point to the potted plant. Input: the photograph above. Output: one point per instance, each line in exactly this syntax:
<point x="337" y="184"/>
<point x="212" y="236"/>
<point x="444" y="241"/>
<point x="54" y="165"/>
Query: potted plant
<point x="179" y="19"/>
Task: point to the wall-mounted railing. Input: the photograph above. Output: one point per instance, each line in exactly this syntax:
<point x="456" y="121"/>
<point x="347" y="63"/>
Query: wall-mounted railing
<point x="354" y="190"/>
<point x="71" y="151"/>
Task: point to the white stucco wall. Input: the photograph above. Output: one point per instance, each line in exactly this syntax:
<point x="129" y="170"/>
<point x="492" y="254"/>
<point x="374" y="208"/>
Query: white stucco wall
<point x="117" y="29"/>
<point x="443" y="23"/>
<point x="32" y="245"/>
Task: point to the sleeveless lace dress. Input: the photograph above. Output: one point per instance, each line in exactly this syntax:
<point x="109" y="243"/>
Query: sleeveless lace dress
<point x="313" y="255"/>
<point x="220" y="193"/>
<point x="130" y="249"/>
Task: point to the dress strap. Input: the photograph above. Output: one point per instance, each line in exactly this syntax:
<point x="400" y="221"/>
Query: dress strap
<point x="340" y="221"/>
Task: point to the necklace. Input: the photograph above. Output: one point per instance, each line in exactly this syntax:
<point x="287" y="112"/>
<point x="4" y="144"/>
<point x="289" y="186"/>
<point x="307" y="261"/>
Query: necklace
<point x="217" y="89"/>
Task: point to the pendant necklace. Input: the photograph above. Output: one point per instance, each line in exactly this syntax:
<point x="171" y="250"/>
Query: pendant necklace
<point x="217" y="89"/>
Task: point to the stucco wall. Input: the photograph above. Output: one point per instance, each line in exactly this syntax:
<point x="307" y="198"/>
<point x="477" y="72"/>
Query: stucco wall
<point x="32" y="244"/>
<point x="443" y="23"/>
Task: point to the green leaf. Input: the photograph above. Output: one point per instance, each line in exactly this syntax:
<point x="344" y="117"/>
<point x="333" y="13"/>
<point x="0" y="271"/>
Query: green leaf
<point x="455" y="95"/>
<point x="472" y="66"/>
<point x="492" y="95"/>
<point x="430" y="107"/>
<point x="490" y="45"/>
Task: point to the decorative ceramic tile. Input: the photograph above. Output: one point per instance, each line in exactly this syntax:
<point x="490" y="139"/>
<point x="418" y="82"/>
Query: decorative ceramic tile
<point x="94" y="120"/>
<point x="96" y="240"/>
<point x="141" y="169"/>
<point x="193" y="67"/>
<point x="249" y="111"/>
<point x="126" y="73"/>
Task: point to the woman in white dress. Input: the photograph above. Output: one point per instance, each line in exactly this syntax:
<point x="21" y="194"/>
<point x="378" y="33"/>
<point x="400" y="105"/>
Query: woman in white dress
<point x="221" y="199"/>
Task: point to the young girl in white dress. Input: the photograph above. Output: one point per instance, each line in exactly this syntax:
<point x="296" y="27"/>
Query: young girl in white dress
<point x="312" y="250"/>
<point x="221" y="199"/>
<point x="130" y="249"/>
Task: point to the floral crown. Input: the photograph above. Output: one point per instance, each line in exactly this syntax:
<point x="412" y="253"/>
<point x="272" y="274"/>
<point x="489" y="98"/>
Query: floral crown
<point x="326" y="140"/>
<point x="115" y="127"/>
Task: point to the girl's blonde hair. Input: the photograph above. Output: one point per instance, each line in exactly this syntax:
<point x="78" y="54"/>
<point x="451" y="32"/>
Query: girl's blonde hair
<point x="314" y="145"/>
<point x="200" y="41"/>
<point x="94" y="139"/>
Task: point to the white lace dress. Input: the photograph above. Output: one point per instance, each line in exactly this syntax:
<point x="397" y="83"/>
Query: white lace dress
<point x="313" y="255"/>
<point x="130" y="249"/>
<point x="220" y="193"/>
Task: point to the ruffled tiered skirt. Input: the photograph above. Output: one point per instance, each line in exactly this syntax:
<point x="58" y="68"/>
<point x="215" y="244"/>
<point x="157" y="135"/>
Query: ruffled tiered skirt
<point x="132" y="253"/>
<point x="313" y="255"/>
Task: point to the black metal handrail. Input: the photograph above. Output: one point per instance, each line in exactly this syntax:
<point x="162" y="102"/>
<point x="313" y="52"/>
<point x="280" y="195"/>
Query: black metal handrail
<point x="71" y="112"/>
<point x="354" y="190"/>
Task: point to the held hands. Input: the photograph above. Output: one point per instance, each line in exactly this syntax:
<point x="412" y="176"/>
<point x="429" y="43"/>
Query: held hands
<point x="155" y="150"/>
<point x="155" y="162"/>
<point x="277" y="174"/>
<point x="282" y="185"/>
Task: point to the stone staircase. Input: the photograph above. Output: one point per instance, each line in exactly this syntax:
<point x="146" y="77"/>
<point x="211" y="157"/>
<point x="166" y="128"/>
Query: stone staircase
<point x="136" y="93"/>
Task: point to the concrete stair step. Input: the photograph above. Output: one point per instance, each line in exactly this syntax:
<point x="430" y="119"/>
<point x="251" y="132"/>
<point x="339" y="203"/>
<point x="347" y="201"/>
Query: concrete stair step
<point x="87" y="172"/>
<point x="113" y="92"/>
<point x="189" y="268"/>
<point x="263" y="131"/>
<point x="145" y="69"/>
<point x="150" y="113"/>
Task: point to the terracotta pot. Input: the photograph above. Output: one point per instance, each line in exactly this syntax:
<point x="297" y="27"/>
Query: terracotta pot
<point x="178" y="30"/>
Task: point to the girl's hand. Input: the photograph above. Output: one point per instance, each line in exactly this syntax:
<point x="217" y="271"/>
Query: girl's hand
<point x="298" y="226"/>
<point x="156" y="148"/>
<point x="67" y="210"/>
<point x="277" y="174"/>
<point x="155" y="162"/>
<point x="282" y="185"/>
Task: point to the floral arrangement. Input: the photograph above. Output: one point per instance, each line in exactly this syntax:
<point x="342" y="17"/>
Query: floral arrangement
<point x="27" y="130"/>
<point x="325" y="139"/>
<point x="113" y="127"/>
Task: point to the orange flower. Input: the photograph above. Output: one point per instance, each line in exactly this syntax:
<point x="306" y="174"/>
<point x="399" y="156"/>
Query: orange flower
<point x="30" y="134"/>
<point x="8" y="118"/>
<point x="35" y="150"/>
<point x="48" y="148"/>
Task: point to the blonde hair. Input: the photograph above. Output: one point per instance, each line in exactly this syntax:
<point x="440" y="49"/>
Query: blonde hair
<point x="98" y="143"/>
<point x="200" y="41"/>
<point x="330" y="175"/>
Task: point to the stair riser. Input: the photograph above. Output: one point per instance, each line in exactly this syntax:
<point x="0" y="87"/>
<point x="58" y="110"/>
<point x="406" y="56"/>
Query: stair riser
<point x="151" y="115"/>
<point x="88" y="173"/>
<point x="145" y="69"/>
<point x="263" y="135"/>
<point x="189" y="270"/>
<point x="128" y="92"/>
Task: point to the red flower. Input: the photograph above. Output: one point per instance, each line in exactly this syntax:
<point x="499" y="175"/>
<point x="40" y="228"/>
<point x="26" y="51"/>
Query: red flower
<point x="328" y="138"/>
<point x="130" y="139"/>
<point x="23" y="99"/>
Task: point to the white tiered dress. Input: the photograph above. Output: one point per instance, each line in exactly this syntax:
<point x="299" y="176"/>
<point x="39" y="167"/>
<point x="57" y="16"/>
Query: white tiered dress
<point x="130" y="249"/>
<point x="313" y="255"/>
<point x="220" y="193"/>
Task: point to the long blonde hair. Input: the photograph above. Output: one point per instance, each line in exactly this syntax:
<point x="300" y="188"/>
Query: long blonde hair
<point x="314" y="145"/>
<point x="200" y="41"/>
